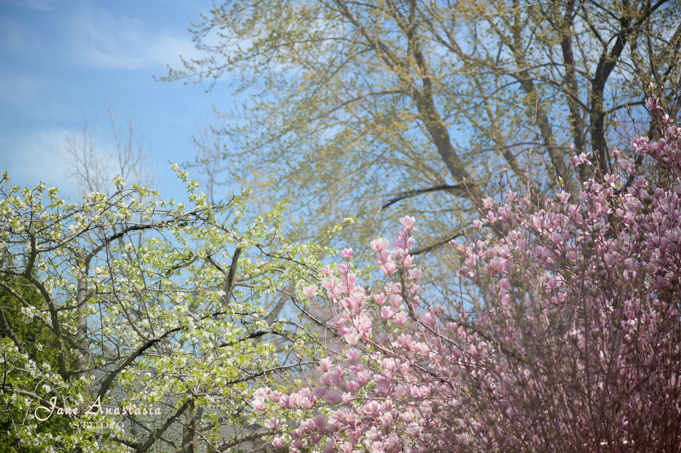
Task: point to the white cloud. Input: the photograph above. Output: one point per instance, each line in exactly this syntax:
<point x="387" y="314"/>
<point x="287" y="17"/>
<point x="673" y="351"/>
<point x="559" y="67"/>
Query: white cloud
<point x="101" y="39"/>
<point x="36" y="157"/>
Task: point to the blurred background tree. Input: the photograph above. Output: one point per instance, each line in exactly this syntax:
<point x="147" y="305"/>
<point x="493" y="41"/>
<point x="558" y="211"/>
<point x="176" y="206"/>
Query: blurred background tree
<point x="381" y="108"/>
<point x="93" y="165"/>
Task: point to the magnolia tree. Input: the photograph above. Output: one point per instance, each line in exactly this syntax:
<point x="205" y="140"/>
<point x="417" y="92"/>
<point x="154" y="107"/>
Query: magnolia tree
<point x="133" y="324"/>
<point x="565" y="335"/>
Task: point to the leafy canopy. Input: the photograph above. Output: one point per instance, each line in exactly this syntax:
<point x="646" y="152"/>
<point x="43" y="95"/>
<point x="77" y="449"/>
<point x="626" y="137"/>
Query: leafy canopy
<point x="383" y="108"/>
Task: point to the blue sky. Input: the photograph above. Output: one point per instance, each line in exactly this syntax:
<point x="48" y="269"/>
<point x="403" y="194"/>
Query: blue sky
<point x="62" y="60"/>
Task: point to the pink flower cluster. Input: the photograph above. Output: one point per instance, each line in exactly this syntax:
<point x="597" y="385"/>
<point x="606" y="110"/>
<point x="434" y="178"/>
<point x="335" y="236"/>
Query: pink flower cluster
<point x="572" y="341"/>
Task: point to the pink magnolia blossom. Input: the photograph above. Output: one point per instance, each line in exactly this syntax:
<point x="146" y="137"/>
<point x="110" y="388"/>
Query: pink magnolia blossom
<point x="401" y="317"/>
<point x="310" y="291"/>
<point x="408" y="222"/>
<point x="379" y="244"/>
